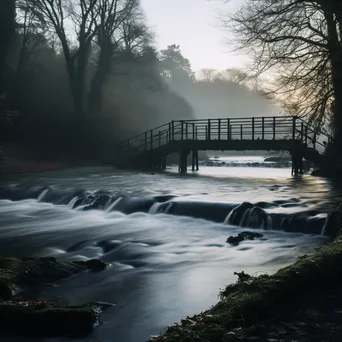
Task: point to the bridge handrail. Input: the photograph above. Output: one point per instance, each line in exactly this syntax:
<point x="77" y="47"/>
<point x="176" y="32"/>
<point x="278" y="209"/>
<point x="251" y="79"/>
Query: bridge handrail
<point x="222" y="129"/>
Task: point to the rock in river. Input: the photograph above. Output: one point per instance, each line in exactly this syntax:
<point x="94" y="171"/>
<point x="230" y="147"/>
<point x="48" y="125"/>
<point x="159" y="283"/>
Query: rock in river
<point x="235" y="240"/>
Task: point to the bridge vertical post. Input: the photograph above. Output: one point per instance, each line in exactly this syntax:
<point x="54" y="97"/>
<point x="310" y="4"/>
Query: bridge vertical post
<point x="230" y="133"/>
<point x="197" y="168"/>
<point x="169" y="133"/>
<point x="145" y="141"/>
<point x="241" y="134"/>
<point x="219" y="129"/>
<point x="164" y="162"/>
<point x="173" y="130"/>
<point x="252" y="128"/>
<point x="209" y="128"/>
<point x="306" y="135"/>
<point x="186" y="131"/>
<point x="274" y="128"/>
<point x="196" y="133"/>
<point x="182" y="130"/>
<point x="228" y="129"/>
<point x="263" y="128"/>
<point x="294" y="128"/>
<point x="193" y="132"/>
<point x="151" y="139"/>
<point x="193" y="160"/>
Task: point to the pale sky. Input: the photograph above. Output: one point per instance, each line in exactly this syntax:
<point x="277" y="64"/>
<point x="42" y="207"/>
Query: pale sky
<point x="194" y="25"/>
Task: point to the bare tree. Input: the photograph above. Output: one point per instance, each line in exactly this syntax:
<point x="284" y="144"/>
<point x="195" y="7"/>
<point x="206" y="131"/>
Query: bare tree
<point x="79" y="16"/>
<point x="208" y="75"/>
<point x="300" y="41"/>
<point x="113" y="28"/>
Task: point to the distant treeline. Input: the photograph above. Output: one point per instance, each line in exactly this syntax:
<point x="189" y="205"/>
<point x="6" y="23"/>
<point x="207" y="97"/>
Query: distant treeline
<point x="85" y="73"/>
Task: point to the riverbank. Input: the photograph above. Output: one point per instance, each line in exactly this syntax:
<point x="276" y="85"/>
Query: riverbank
<point x="42" y="318"/>
<point x="255" y="307"/>
<point x="17" y="159"/>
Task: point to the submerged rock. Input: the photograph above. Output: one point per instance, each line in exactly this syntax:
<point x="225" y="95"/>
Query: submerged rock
<point x="235" y="240"/>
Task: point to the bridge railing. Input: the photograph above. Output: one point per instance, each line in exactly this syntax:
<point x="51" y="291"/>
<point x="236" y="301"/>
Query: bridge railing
<point x="250" y="128"/>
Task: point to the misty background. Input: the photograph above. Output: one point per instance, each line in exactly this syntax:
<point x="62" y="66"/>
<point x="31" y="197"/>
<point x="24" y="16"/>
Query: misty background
<point x="134" y="77"/>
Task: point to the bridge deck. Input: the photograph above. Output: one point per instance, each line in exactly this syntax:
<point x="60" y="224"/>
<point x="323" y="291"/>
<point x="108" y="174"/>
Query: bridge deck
<point x="292" y="134"/>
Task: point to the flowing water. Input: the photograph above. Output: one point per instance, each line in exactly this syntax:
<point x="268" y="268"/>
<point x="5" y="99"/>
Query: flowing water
<point x="164" y="235"/>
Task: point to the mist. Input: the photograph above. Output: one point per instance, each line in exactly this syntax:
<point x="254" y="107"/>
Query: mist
<point x="83" y="95"/>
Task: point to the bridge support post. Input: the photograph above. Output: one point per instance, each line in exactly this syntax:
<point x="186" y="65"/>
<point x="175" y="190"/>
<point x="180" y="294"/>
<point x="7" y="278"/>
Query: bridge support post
<point x="183" y="161"/>
<point x="195" y="161"/>
<point x="297" y="164"/>
<point x="164" y="162"/>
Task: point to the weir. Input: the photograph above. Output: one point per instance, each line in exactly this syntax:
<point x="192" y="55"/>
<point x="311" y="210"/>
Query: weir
<point x="184" y="137"/>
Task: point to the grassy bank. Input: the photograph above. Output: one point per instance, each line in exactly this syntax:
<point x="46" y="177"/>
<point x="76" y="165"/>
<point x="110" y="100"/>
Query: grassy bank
<point x="255" y="299"/>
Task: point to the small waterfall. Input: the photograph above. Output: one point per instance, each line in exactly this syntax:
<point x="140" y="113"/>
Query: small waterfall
<point x="257" y="218"/>
<point x="324" y="228"/>
<point x="155" y="208"/>
<point x="249" y="216"/>
<point x="43" y="193"/>
<point x="114" y="204"/>
<point x="167" y="209"/>
<point x="72" y="202"/>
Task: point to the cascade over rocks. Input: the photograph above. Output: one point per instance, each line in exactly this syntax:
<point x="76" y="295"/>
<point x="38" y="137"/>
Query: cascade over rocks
<point x="236" y="215"/>
<point x="248" y="215"/>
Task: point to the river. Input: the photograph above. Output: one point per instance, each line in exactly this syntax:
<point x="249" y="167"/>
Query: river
<point x="164" y="235"/>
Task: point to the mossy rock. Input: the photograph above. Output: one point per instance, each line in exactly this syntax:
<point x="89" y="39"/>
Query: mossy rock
<point x="333" y="225"/>
<point x="43" y="318"/>
<point x="34" y="272"/>
<point x="46" y="319"/>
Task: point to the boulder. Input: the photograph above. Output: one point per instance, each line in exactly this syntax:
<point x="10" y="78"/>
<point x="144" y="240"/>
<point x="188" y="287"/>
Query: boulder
<point x="40" y="317"/>
<point x="257" y="218"/>
<point x="35" y="272"/>
<point x="235" y="240"/>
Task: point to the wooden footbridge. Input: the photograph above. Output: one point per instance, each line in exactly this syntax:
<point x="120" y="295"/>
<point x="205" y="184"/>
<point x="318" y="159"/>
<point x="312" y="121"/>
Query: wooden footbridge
<point x="280" y="133"/>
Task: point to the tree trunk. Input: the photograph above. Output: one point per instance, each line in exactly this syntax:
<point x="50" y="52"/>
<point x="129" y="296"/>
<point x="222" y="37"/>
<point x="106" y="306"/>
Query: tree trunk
<point x="335" y="53"/>
<point x="7" y="28"/>
<point x="99" y="79"/>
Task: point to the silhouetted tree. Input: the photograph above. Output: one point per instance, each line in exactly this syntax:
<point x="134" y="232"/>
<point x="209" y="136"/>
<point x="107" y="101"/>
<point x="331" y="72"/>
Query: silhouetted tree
<point x="301" y="42"/>
<point x="80" y="16"/>
<point x="111" y="32"/>
<point x="172" y="59"/>
<point x="7" y="29"/>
